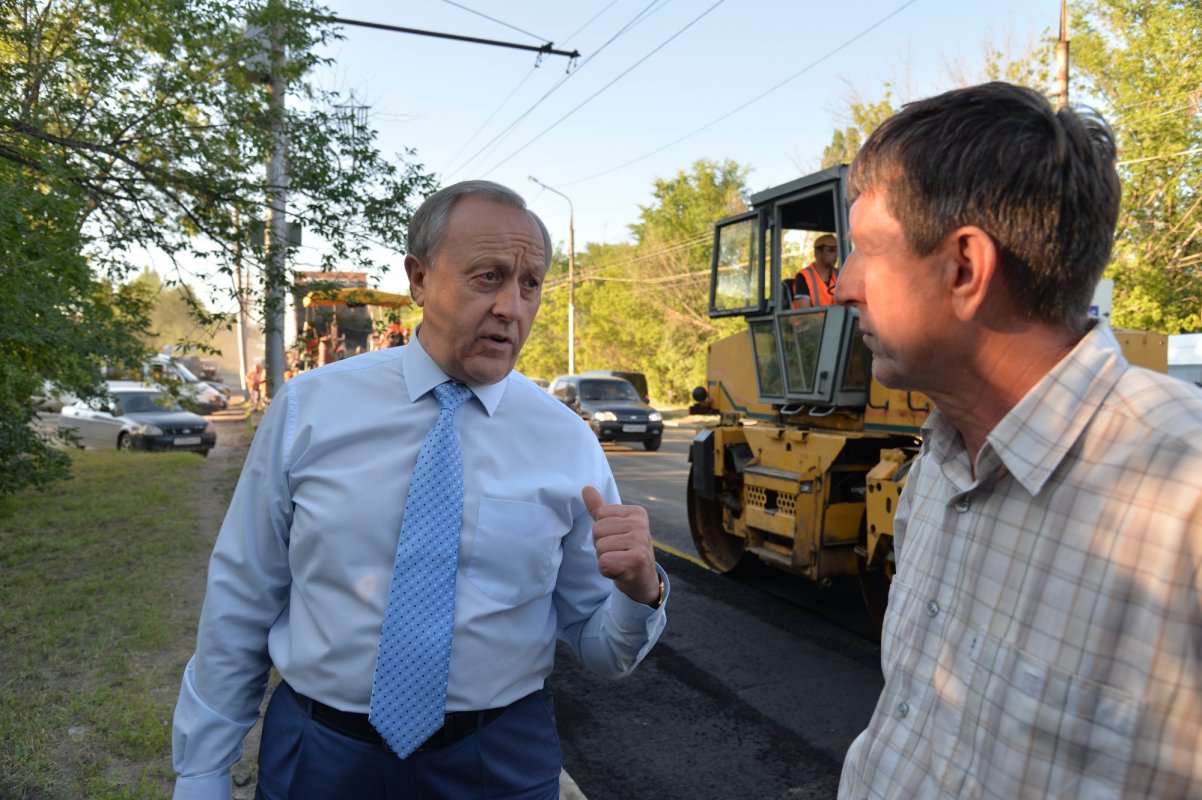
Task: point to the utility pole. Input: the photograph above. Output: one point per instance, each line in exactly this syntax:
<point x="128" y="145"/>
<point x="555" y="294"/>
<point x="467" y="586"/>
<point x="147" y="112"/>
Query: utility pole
<point x="240" y="289"/>
<point x="571" y="276"/>
<point x="276" y="277"/>
<point x="1062" y="59"/>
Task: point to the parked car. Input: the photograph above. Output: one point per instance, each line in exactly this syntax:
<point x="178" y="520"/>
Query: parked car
<point x="612" y="407"/>
<point x="51" y="398"/>
<point x="136" y="416"/>
<point x="204" y="368"/>
<point x="195" y="394"/>
<point x="637" y="379"/>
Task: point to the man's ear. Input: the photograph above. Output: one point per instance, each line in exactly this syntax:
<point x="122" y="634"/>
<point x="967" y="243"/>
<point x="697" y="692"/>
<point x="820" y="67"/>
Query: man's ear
<point x="416" y="269"/>
<point x="974" y="270"/>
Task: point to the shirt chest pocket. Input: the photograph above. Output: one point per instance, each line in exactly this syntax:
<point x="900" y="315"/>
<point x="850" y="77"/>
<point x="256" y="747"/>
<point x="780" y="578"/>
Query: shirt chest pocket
<point x="1058" y="734"/>
<point x="516" y="552"/>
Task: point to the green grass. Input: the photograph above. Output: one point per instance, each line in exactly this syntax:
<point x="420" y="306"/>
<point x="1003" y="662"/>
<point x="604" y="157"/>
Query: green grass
<point x="99" y="585"/>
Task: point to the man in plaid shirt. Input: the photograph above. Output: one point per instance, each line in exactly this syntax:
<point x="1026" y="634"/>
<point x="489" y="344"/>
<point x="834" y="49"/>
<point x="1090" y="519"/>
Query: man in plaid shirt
<point x="1044" y="630"/>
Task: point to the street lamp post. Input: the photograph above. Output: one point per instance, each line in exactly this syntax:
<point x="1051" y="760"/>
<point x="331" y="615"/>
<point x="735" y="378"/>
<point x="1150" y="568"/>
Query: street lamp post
<point x="571" y="276"/>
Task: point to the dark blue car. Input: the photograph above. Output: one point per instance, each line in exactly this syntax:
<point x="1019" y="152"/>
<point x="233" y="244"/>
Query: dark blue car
<point x="612" y="407"/>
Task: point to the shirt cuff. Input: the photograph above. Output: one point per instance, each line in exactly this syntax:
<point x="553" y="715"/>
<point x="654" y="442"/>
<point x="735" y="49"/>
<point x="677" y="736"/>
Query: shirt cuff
<point x="631" y="615"/>
<point x="214" y="786"/>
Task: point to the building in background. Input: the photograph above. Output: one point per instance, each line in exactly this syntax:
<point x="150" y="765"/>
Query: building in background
<point x="1185" y="357"/>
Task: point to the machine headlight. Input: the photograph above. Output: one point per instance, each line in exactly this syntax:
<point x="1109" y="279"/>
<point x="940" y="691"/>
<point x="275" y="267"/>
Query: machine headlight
<point x="149" y="430"/>
<point x="605" y="416"/>
<point x="655" y="416"/>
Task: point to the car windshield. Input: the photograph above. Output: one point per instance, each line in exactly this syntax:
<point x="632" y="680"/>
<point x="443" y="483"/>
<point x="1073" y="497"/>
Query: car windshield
<point x="608" y="390"/>
<point x="134" y="402"/>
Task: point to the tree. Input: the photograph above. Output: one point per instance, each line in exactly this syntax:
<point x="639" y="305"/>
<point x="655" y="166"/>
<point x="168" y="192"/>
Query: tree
<point x="55" y="316"/>
<point x="136" y="125"/>
<point x="1026" y="65"/>
<point x="171" y="318"/>
<point x="1139" y="63"/>
<point x="865" y="117"/>
<point x="644" y="307"/>
<point x="545" y="353"/>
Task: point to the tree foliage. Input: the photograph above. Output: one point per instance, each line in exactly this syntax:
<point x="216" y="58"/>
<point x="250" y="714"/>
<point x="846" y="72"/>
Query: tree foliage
<point x="129" y="126"/>
<point x="55" y="316"/>
<point x="865" y="117"/>
<point x="643" y="306"/>
<point x="1140" y="62"/>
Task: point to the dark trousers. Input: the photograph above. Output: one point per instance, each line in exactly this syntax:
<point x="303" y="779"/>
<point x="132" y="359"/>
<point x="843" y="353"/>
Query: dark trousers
<point x="514" y="757"/>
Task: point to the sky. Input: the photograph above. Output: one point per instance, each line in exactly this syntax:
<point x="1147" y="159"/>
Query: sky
<point x="658" y="85"/>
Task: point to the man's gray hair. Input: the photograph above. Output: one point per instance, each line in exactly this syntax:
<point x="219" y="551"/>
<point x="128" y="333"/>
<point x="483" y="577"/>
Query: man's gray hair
<point x="429" y="222"/>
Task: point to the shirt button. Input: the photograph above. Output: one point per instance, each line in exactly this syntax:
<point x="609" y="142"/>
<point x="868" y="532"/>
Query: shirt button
<point x="902" y="710"/>
<point x="932" y="608"/>
<point x="962" y="504"/>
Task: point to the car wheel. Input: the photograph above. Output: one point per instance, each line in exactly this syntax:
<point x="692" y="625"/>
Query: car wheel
<point x="125" y="442"/>
<point x="652" y="443"/>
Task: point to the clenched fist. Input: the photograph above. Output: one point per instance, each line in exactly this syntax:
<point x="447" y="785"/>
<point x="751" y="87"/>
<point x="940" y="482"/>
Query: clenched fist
<point x="622" y="535"/>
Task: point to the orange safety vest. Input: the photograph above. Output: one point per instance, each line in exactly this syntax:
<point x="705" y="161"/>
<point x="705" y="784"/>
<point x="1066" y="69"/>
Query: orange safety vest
<point x="819" y="291"/>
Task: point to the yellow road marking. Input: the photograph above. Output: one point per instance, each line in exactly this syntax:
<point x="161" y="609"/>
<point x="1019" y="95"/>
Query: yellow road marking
<point x="680" y="554"/>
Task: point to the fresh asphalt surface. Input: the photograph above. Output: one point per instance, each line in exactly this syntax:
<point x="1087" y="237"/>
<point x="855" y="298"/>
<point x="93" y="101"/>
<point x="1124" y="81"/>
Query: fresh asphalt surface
<point x="755" y="690"/>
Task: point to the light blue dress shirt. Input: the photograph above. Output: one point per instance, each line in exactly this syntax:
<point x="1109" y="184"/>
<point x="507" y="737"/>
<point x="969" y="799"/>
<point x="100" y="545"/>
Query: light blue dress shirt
<point x="300" y="573"/>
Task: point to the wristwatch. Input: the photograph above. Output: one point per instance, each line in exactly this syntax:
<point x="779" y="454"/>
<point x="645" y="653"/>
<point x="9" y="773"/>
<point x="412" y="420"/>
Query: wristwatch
<point x="659" y="601"/>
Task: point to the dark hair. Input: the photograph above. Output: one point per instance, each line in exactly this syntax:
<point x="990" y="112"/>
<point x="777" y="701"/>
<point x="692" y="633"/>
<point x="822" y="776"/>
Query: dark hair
<point x="429" y="222"/>
<point x="1041" y="182"/>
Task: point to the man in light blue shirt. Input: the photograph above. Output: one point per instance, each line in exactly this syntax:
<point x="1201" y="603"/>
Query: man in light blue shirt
<point x="301" y="572"/>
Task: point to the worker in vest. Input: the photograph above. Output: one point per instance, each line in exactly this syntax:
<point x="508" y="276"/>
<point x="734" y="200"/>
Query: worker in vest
<point x="815" y="285"/>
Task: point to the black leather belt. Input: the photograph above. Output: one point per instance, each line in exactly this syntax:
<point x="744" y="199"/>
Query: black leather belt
<point x="457" y="725"/>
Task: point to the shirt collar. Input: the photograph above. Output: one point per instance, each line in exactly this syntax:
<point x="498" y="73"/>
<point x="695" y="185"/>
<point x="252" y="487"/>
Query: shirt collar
<point x="1036" y="435"/>
<point x="422" y="375"/>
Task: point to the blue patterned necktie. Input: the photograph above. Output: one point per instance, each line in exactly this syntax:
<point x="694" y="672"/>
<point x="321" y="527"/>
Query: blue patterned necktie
<point x="409" y="692"/>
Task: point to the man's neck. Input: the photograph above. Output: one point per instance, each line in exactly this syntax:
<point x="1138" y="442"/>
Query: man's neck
<point x="983" y="389"/>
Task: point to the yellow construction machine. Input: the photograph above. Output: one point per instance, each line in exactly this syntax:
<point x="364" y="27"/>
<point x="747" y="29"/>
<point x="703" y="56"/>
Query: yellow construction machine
<point x="808" y="456"/>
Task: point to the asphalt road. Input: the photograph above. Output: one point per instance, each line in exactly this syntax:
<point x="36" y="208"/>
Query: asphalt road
<point x="755" y="690"/>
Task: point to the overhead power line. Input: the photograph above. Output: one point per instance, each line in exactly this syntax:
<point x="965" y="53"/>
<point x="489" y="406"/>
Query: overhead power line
<point x="591" y="20"/>
<point x="494" y="19"/>
<point x="646" y="11"/>
<point x="519" y="85"/>
<point x="1191" y="152"/>
<point x="601" y="273"/>
<point x="1163" y="98"/>
<point x="758" y="97"/>
<point x="489" y="119"/>
<point x="545" y="49"/>
<point x="591" y="97"/>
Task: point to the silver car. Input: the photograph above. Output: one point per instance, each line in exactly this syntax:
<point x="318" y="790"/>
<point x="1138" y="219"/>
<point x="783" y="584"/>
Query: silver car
<point x="136" y="417"/>
<point x="194" y="393"/>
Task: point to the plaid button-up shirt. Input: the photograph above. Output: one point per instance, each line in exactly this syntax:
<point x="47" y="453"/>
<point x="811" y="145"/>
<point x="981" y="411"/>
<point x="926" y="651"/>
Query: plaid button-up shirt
<point x="1044" y="630"/>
